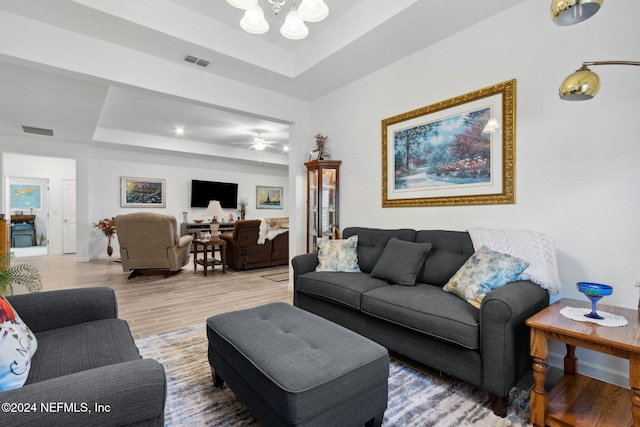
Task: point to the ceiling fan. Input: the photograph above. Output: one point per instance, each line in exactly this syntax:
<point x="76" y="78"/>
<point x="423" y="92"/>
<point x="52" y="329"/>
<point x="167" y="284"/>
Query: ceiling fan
<point x="258" y="143"/>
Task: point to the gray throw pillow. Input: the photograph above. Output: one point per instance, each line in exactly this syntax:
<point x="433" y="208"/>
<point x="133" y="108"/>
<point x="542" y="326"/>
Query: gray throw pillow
<point x="401" y="262"/>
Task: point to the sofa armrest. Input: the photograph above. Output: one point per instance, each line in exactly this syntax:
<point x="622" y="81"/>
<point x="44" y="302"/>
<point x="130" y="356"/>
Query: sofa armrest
<point x="185" y="240"/>
<point x="127" y="393"/>
<point x="233" y="247"/>
<point x="230" y="240"/>
<point x="304" y="263"/>
<point x="44" y="311"/>
<point x="504" y="337"/>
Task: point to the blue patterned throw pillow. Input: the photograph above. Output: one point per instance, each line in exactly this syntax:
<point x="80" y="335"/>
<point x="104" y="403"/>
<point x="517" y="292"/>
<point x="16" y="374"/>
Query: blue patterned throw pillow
<point x="484" y="271"/>
<point x="338" y="255"/>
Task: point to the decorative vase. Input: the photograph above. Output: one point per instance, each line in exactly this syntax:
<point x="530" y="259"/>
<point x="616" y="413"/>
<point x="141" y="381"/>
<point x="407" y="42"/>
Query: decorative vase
<point x="242" y="214"/>
<point x="594" y="291"/>
<point x="109" y="248"/>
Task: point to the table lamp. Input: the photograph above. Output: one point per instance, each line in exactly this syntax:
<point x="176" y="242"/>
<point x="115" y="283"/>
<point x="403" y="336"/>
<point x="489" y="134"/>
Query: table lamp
<point x="215" y="210"/>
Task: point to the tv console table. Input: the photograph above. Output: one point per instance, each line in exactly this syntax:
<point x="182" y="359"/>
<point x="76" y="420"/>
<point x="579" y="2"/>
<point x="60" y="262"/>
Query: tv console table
<point x="195" y="229"/>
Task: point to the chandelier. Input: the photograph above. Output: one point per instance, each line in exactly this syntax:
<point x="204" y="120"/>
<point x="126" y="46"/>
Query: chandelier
<point x="293" y="28"/>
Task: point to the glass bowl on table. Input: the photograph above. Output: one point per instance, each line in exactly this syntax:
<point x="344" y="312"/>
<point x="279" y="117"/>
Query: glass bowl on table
<point x="594" y="291"/>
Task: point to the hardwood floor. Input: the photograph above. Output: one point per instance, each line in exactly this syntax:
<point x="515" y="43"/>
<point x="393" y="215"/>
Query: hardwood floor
<point x="153" y="304"/>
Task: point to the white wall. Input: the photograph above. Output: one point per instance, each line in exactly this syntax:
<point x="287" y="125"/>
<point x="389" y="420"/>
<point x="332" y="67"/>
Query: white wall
<point x="106" y="167"/>
<point x="577" y="177"/>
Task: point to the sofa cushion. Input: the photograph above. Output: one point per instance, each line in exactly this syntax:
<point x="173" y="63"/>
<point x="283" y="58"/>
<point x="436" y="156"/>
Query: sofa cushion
<point x="340" y="287"/>
<point x="483" y="272"/>
<point x="426" y="309"/>
<point x="401" y="262"/>
<point x="372" y="241"/>
<point x="338" y="255"/>
<point x="17" y="346"/>
<point x="81" y="347"/>
<point x="449" y="250"/>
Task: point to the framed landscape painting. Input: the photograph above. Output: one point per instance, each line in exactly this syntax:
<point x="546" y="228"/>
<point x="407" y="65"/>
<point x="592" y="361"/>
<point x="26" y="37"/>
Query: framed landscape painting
<point x="268" y="197"/>
<point x="142" y="192"/>
<point x="456" y="152"/>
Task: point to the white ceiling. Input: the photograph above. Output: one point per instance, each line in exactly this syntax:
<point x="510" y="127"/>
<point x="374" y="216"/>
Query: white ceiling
<point x="351" y="43"/>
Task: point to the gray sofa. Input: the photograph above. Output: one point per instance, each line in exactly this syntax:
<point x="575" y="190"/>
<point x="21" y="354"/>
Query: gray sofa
<point x="487" y="347"/>
<point x="86" y="356"/>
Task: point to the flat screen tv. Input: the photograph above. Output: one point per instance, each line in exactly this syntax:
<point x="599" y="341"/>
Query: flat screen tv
<point x="204" y="191"/>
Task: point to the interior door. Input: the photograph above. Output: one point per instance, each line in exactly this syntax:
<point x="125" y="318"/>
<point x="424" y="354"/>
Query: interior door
<point x="69" y="216"/>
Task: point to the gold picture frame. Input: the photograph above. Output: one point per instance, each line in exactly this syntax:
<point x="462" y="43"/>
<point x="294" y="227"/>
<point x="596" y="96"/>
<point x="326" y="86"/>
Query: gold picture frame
<point x="456" y="152"/>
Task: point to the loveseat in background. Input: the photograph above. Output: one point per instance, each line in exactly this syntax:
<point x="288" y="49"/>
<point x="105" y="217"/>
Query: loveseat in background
<point x="244" y="252"/>
<point x="487" y="347"/>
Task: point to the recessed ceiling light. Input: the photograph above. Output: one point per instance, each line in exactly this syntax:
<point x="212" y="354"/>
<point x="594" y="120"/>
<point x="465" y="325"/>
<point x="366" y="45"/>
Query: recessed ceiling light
<point x="285" y="148"/>
<point x="179" y="131"/>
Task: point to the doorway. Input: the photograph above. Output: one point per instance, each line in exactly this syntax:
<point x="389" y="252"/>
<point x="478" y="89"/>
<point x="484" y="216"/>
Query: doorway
<point x="56" y="177"/>
<point x="68" y="216"/>
<point x="29" y="215"/>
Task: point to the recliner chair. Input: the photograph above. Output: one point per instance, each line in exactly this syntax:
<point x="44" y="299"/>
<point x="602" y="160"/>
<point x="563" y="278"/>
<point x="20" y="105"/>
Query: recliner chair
<point x="243" y="251"/>
<point x="86" y="355"/>
<point x="150" y="241"/>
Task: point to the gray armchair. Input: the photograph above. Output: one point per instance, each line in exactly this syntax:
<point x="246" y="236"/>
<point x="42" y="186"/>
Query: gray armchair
<point x="86" y="359"/>
<point x="150" y="241"/>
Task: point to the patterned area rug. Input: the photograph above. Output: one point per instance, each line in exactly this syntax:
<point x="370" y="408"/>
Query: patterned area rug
<point x="415" y="399"/>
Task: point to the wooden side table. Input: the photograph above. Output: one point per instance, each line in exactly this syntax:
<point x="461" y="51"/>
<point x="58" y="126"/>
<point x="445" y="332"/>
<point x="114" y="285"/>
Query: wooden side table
<point x="205" y="261"/>
<point x="577" y="399"/>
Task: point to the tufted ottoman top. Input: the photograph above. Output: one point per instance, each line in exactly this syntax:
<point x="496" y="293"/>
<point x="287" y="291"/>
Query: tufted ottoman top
<point x="303" y="363"/>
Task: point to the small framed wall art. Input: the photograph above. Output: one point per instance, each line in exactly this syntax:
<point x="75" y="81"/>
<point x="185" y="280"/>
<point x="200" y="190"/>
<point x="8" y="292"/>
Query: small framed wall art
<point x="142" y="192"/>
<point x="314" y="155"/>
<point x="26" y="196"/>
<point x="268" y="197"/>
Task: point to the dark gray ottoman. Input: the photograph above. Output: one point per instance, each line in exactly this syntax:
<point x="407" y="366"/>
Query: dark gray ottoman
<point x="291" y="367"/>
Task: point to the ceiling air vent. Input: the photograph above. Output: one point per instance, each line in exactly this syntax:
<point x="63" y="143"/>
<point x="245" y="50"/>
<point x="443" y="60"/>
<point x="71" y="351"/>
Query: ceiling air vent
<point x="197" y="61"/>
<point x="37" y="131"/>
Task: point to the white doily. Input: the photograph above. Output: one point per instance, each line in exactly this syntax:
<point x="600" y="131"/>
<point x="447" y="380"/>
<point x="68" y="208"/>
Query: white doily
<point x="578" y="314"/>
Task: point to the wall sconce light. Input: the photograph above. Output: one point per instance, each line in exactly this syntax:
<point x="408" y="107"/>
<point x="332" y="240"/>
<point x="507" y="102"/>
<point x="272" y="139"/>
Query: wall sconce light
<point x="584" y="83"/>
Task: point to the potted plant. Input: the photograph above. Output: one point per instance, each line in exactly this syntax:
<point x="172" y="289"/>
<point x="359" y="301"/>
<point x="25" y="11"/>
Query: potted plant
<point x="321" y="146"/>
<point x="26" y="275"/>
<point x="108" y="227"/>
